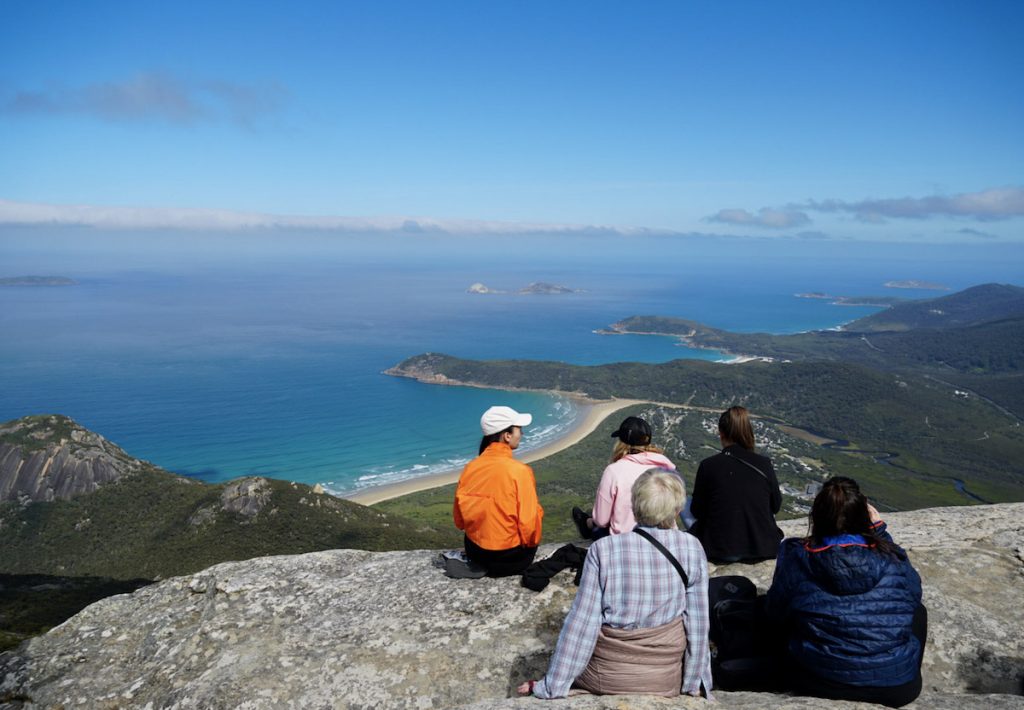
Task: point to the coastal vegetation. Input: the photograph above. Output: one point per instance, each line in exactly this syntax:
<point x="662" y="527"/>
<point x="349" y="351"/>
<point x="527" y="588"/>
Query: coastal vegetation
<point x="155" y="524"/>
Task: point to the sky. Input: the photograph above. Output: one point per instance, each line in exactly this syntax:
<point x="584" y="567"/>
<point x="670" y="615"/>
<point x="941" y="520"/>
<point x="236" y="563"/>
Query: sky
<point x="884" y="121"/>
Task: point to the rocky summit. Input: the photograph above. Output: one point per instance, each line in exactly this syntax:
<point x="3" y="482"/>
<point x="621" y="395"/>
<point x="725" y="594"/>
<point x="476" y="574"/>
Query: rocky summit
<point x="356" y="629"/>
<point x="50" y="457"/>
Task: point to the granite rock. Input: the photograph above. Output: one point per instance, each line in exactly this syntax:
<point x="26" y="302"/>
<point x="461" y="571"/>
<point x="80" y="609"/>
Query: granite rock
<point x="50" y="457"/>
<point x="246" y="496"/>
<point x="355" y="629"/>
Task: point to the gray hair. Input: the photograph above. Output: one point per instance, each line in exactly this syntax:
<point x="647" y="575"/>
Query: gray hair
<point x="658" y="498"/>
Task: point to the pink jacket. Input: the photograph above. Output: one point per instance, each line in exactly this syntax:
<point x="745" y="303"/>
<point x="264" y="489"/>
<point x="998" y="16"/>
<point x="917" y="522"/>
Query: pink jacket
<point x="613" y="506"/>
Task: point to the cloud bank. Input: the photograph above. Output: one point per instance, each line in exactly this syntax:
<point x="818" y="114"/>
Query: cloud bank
<point x="987" y="205"/>
<point x="765" y="217"/>
<point x="153" y="96"/>
<point x="29" y="214"/>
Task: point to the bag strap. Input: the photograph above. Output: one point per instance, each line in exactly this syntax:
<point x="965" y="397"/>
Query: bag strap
<point x="747" y="463"/>
<point x="664" y="550"/>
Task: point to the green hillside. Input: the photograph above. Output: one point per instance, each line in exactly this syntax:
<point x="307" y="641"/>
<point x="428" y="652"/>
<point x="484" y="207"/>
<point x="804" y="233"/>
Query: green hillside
<point x="972" y="306"/>
<point x="991" y="346"/>
<point x="156" y="524"/>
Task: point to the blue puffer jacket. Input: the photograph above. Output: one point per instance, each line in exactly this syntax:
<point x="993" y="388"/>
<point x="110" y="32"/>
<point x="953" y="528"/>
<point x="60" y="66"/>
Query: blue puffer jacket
<point x="848" y="610"/>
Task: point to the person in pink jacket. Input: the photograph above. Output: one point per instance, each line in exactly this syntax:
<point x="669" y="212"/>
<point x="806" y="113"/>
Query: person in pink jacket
<point x="613" y="506"/>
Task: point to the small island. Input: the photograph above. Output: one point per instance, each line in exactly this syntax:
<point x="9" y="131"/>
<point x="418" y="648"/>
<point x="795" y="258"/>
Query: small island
<point x="37" y="281"/>
<point x="875" y="301"/>
<point x="912" y="283"/>
<point x="539" y="287"/>
<point x="535" y="288"/>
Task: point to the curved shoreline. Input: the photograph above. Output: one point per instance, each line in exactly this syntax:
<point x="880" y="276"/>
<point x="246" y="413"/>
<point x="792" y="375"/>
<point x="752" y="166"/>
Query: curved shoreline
<point x="593" y="412"/>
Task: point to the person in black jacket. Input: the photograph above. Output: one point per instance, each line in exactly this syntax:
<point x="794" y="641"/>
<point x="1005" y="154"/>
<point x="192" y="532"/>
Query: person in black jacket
<point x="736" y="496"/>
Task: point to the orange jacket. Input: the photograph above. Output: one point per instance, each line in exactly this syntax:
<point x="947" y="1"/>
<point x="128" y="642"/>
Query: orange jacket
<point x="496" y="501"/>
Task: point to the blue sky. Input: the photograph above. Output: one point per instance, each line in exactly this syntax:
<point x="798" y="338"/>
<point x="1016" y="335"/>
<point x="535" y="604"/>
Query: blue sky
<point x="867" y="120"/>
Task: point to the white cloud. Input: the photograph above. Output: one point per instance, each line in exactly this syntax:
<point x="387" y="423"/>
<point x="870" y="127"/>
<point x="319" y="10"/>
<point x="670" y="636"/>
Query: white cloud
<point x="28" y="213"/>
<point x="765" y="217"/>
<point x="987" y="205"/>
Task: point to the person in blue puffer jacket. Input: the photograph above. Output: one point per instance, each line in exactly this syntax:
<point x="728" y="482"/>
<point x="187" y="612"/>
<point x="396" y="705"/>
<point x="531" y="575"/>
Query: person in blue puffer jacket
<point x="849" y="603"/>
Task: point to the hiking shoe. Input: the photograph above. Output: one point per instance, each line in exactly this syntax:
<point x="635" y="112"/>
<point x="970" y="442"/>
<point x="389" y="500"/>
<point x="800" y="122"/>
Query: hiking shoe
<point x="580" y="518"/>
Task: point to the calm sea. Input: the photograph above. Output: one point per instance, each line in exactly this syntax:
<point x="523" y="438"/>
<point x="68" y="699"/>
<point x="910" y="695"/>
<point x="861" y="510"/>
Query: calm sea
<point x="217" y="357"/>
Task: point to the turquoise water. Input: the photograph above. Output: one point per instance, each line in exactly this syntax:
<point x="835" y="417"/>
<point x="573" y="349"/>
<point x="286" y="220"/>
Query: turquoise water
<point x="229" y="357"/>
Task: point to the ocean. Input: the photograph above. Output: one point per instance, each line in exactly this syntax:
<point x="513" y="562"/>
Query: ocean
<point x="217" y="356"/>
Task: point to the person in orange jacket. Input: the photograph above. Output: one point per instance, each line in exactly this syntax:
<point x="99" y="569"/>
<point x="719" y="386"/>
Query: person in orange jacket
<point x="496" y="500"/>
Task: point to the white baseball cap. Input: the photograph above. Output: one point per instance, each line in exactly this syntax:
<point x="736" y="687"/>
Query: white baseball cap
<point x="498" y="419"/>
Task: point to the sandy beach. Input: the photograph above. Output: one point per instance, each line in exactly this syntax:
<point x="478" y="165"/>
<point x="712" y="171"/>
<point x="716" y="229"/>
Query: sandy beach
<point x="592" y="413"/>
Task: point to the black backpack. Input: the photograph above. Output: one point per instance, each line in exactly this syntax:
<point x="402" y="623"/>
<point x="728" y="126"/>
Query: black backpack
<point x="741" y="639"/>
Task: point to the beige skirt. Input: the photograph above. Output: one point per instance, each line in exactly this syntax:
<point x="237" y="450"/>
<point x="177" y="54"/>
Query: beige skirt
<point x="647" y="661"/>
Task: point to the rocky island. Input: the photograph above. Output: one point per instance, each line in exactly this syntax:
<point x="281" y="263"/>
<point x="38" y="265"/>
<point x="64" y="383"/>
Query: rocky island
<point x="540" y="287"/>
<point x="535" y="288"/>
<point x="913" y="283"/>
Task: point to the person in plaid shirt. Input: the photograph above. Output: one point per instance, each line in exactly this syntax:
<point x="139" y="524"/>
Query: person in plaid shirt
<point x="633" y="619"/>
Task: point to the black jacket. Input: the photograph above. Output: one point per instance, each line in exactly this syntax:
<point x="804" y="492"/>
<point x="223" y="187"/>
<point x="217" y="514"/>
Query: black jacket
<point x="735" y="506"/>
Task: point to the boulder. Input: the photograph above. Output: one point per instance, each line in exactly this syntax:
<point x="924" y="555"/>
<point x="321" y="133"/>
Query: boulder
<point x="355" y="629"/>
<point x="246" y="496"/>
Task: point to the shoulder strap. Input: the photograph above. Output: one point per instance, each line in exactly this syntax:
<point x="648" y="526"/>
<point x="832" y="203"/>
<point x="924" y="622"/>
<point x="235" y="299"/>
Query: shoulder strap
<point x="746" y="463"/>
<point x="664" y="550"/>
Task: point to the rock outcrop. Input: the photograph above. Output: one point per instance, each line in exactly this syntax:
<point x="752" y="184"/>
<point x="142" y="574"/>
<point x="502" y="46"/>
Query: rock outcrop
<point x="355" y="629"/>
<point x="50" y="457"/>
<point x="246" y="496"/>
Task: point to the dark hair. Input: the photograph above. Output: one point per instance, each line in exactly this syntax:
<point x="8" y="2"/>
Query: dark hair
<point x="493" y="438"/>
<point x="734" y="425"/>
<point x="840" y="508"/>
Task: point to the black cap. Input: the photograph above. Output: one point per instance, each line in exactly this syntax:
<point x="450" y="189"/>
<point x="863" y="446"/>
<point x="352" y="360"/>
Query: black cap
<point x="633" y="431"/>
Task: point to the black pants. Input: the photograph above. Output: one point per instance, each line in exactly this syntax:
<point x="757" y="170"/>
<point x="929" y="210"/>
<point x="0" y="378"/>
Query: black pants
<point x="597" y="533"/>
<point x="806" y="683"/>
<point x="500" y="563"/>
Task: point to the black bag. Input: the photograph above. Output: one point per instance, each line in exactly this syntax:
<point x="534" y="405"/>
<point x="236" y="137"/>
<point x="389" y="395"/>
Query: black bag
<point x="741" y="639"/>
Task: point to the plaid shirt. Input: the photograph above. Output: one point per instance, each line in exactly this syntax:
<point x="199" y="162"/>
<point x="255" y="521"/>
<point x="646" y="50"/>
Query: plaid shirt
<point x="628" y="584"/>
